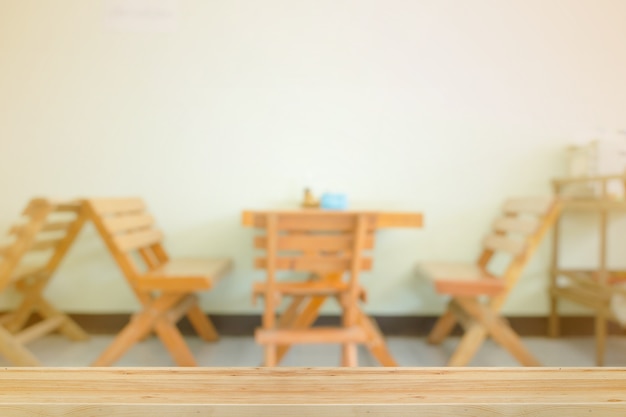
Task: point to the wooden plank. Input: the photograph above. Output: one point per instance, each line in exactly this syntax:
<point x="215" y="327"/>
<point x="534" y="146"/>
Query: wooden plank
<point x="575" y="204"/>
<point x="499" y="243"/>
<point x="383" y="219"/>
<point x="104" y="206"/>
<point x="599" y="178"/>
<point x="70" y="206"/>
<point x="461" y="279"/>
<point x="302" y="287"/>
<point x="26" y="271"/>
<point x="525" y="226"/>
<point x="462" y="288"/>
<point x="40" y="329"/>
<point x="134" y="221"/>
<point x="48" y="227"/>
<point x="36" y="205"/>
<point x="399" y="219"/>
<point x="321" y="222"/>
<point x="45" y="244"/>
<point x="176" y="313"/>
<point x="308" y="220"/>
<point x="318" y="264"/>
<point x="529" y="205"/>
<point x="61" y="206"/>
<point x="5" y="250"/>
<point x="133" y="241"/>
<point x="317" y="243"/>
<point x="312" y="392"/>
<point x="314" y="335"/>
<point x="213" y="268"/>
<point x="584" y="298"/>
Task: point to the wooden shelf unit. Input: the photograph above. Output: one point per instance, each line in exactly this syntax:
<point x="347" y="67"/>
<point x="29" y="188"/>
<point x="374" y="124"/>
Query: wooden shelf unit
<point x="592" y="287"/>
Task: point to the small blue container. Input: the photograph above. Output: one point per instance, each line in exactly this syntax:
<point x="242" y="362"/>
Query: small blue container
<point x="331" y="201"/>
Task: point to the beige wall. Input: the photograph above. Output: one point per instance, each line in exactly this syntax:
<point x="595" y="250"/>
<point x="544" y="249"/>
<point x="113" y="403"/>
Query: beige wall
<point x="441" y="106"/>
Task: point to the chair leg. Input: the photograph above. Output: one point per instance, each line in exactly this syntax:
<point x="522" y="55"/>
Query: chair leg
<point x="174" y="342"/>
<point x="14" y="351"/>
<point x="490" y="323"/>
<point x="270" y="355"/>
<point x="601" y="330"/>
<point x="287" y="319"/>
<point x="202" y="324"/>
<point x="554" y="322"/>
<point x="349" y="355"/>
<point x="471" y="341"/>
<point x="305" y="319"/>
<point x="69" y="328"/>
<point x="350" y="319"/>
<point x="140" y="325"/>
<point x="501" y="333"/>
<point x="20" y="315"/>
<point x="443" y="327"/>
<point x="376" y="342"/>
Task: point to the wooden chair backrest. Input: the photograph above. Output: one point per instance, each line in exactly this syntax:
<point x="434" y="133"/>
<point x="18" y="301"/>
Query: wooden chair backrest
<point x="316" y="241"/>
<point x="518" y="232"/>
<point x="46" y="231"/>
<point x="129" y="232"/>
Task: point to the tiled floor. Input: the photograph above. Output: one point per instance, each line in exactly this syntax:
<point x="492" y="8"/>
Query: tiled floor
<point x="408" y="351"/>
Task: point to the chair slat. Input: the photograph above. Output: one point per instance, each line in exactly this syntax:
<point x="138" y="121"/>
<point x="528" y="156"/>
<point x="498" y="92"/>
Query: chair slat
<point x="104" y="206"/>
<point x="119" y="224"/>
<point x="59" y="206"/>
<point x="319" y="264"/>
<point x="72" y="207"/>
<point x="4" y="250"/>
<point x="316" y="335"/>
<point x="41" y="329"/>
<point x="45" y="244"/>
<point x="530" y="205"/>
<point x="133" y="241"/>
<point x="35" y="205"/>
<point x="499" y="243"/>
<point x="18" y="229"/>
<point x="314" y="221"/>
<point x="337" y="242"/>
<point x="524" y="226"/>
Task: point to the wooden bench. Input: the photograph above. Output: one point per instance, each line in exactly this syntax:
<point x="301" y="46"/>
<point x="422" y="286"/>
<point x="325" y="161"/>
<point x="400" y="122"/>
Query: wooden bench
<point x="311" y="392"/>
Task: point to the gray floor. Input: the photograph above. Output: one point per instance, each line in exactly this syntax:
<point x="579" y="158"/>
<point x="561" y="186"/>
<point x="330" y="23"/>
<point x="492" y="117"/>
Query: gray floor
<point x="408" y="351"/>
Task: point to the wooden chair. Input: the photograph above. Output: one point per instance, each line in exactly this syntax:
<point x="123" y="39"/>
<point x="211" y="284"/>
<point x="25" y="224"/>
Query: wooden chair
<point x="478" y="293"/>
<point x="27" y="263"/>
<point x="323" y="246"/>
<point x="165" y="288"/>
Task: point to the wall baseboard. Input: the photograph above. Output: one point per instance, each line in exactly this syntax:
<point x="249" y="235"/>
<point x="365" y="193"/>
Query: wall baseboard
<point x="244" y="324"/>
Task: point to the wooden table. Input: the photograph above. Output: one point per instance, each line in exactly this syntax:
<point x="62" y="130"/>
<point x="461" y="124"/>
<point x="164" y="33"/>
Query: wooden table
<point x="310" y="310"/>
<point x="306" y="392"/>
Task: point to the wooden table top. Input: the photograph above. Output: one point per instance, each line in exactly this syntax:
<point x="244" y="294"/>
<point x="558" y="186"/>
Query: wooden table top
<point x="384" y="219"/>
<point x="312" y="391"/>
